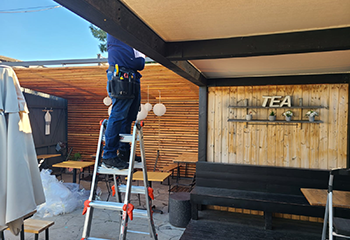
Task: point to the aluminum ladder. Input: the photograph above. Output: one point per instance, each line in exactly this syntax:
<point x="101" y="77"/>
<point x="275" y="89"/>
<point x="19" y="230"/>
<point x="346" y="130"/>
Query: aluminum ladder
<point x="126" y="209"/>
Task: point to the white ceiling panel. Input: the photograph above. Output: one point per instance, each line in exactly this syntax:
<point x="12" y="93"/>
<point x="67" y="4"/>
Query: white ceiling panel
<point x="183" y="20"/>
<point x="278" y="65"/>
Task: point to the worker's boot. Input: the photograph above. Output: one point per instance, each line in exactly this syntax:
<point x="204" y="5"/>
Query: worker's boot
<point x="125" y="156"/>
<point x="115" y="163"/>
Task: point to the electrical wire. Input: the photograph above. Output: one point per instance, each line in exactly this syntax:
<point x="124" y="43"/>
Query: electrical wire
<point x="19" y="10"/>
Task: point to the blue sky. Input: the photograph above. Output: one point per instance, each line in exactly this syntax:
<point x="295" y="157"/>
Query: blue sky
<point x="46" y="35"/>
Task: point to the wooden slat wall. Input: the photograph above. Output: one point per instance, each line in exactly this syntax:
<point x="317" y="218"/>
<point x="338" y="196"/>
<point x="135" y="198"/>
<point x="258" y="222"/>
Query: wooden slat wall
<point x="321" y="146"/>
<point x="174" y="133"/>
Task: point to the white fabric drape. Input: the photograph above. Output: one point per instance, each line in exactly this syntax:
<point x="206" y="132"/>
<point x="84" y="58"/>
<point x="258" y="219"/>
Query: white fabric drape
<point x="20" y="184"/>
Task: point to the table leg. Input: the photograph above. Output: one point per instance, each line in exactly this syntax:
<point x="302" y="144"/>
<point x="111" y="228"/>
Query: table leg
<point x="325" y="221"/>
<point x="154" y="207"/>
<point x="178" y="173"/>
<point x="74" y="175"/>
<point x="22" y="232"/>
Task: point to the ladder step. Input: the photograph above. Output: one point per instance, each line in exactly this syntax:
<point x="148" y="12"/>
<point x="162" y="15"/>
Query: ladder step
<point x="138" y="232"/>
<point x="93" y="238"/>
<point x="116" y="171"/>
<point x="134" y="189"/>
<point x="117" y="207"/>
<point x="126" y="138"/>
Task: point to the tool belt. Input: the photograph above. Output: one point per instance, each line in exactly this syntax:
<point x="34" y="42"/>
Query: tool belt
<point x="123" y="83"/>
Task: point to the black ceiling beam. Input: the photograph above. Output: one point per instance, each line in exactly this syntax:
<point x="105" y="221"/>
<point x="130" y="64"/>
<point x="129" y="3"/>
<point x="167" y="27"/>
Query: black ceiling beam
<point x="263" y="45"/>
<point x="116" y="19"/>
<point x="281" y="80"/>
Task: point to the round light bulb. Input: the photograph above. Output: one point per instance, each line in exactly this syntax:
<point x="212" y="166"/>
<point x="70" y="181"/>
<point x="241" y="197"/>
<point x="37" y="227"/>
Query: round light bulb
<point x="159" y="109"/>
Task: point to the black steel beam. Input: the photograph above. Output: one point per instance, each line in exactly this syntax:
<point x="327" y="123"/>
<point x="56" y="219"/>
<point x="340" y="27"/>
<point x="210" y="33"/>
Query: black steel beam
<point x="115" y="18"/>
<point x="263" y="45"/>
<point x="281" y="80"/>
<point x="202" y="123"/>
<point x="348" y="129"/>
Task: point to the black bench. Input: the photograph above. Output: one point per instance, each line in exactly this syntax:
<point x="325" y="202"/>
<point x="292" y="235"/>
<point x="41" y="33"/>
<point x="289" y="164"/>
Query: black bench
<point x="265" y="188"/>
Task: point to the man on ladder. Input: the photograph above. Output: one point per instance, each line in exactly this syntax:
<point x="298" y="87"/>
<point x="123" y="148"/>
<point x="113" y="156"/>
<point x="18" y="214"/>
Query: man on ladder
<point x="123" y="87"/>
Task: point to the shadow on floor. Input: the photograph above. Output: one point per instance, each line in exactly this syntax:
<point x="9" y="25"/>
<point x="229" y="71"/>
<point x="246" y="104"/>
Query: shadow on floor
<point x="223" y="225"/>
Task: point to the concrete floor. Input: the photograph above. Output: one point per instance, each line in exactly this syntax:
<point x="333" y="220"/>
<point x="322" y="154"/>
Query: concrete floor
<point x="105" y="223"/>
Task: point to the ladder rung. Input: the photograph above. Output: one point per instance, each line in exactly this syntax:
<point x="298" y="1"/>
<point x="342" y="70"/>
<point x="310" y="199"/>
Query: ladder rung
<point x="116" y="171"/>
<point x="93" y="238"/>
<point x="134" y="189"/>
<point x="127" y="138"/>
<point x="117" y="207"/>
<point x="138" y="232"/>
<point x="107" y="205"/>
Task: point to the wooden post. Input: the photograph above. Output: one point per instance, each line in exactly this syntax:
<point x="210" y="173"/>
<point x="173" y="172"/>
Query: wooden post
<point x="247" y="110"/>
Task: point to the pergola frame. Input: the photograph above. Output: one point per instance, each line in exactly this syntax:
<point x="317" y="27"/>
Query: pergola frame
<point x="115" y="18"/>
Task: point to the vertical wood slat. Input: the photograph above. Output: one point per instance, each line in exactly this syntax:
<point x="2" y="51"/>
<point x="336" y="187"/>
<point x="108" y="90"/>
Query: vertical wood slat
<point x="320" y="146"/>
<point x="211" y="124"/>
<point x="332" y="130"/>
<point x="232" y="128"/>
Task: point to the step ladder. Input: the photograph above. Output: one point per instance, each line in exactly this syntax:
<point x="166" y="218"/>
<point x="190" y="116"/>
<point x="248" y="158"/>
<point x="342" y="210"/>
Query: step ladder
<point x="125" y="209"/>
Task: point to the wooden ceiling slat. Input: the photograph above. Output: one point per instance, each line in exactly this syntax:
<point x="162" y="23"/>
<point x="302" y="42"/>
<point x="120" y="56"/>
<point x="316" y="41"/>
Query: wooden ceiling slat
<point x="90" y="82"/>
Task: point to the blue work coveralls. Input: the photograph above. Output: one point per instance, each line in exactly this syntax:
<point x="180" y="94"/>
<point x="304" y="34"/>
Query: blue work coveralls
<point x="124" y="111"/>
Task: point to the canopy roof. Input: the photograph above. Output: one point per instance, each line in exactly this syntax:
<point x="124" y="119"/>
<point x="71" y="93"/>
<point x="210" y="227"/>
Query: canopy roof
<point x="90" y="82"/>
<point x="223" y="41"/>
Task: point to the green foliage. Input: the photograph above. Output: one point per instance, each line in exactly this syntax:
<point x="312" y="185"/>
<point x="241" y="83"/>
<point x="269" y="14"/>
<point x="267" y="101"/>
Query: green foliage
<point x="272" y="113"/>
<point x="101" y="36"/>
<point x="76" y="156"/>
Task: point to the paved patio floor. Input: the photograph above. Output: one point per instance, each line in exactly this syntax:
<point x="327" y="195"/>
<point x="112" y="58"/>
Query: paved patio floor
<point x="106" y="223"/>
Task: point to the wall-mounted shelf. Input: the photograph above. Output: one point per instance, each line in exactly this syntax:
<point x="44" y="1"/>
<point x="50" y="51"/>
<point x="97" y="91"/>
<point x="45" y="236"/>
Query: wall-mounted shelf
<point x="293" y="107"/>
<point x="257" y="121"/>
<point x="276" y="121"/>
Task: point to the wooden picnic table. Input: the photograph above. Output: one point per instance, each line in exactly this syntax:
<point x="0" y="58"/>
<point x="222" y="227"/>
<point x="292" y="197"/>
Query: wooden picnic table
<point x="186" y="158"/>
<point x="318" y="197"/>
<point x="75" y="165"/>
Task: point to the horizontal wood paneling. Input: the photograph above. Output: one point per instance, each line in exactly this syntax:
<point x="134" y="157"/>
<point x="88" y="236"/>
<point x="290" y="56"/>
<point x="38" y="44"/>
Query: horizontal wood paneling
<point x="320" y="146"/>
<point x="174" y="133"/>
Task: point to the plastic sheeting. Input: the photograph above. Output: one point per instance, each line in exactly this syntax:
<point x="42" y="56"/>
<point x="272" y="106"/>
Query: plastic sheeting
<point x="61" y="198"/>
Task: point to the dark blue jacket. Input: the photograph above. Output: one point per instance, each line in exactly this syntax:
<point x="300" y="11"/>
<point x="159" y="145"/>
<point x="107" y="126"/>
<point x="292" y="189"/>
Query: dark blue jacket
<point x="123" y="55"/>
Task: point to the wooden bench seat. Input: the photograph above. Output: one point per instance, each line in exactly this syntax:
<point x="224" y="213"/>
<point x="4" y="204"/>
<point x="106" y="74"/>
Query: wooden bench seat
<point x="264" y="188"/>
<point x="36" y="226"/>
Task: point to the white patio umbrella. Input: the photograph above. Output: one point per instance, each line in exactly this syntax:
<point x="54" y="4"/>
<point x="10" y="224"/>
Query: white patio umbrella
<point x="20" y="184"/>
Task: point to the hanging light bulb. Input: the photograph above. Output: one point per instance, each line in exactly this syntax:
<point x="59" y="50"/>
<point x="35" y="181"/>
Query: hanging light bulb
<point x="142" y="114"/>
<point x="148" y="106"/>
<point x="107" y="101"/>
<point x="159" y="109"/>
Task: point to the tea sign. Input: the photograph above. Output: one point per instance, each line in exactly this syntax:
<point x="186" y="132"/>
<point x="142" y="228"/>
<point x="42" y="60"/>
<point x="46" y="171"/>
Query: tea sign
<point x="277" y="101"/>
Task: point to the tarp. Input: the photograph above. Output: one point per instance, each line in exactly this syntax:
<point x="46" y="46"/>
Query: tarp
<point x="20" y="184"/>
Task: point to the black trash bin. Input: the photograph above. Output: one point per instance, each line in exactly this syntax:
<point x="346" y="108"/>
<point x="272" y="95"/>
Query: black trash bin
<point x="179" y="209"/>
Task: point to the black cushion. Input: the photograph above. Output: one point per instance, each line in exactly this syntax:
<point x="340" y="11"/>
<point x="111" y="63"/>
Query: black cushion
<point x="341" y="226"/>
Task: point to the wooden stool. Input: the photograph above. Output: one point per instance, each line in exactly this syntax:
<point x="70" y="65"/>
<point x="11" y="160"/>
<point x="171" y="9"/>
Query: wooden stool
<point x="37" y="226"/>
<point x="179" y="209"/>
